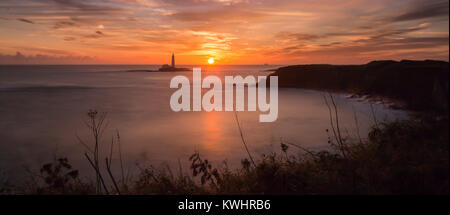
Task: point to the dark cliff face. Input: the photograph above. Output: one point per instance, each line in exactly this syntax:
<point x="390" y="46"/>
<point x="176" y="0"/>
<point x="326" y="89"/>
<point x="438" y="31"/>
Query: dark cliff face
<point x="422" y="85"/>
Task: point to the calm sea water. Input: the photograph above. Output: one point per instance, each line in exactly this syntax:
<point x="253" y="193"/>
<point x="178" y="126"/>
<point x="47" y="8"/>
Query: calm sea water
<point x="43" y="109"/>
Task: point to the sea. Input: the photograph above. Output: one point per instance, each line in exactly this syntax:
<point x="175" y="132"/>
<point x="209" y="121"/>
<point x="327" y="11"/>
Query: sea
<point x="43" y="116"/>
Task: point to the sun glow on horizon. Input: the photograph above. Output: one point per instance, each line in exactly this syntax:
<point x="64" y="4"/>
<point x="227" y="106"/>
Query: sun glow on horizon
<point x="235" y="32"/>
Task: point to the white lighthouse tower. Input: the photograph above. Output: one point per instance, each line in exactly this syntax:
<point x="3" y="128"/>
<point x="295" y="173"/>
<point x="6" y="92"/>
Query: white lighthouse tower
<point x="173" y="60"/>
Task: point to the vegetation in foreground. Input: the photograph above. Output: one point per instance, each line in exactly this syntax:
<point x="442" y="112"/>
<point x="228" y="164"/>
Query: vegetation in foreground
<point x="403" y="157"/>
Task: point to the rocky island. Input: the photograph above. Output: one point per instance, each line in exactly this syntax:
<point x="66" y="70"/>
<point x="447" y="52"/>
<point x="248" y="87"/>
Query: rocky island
<point x="166" y="68"/>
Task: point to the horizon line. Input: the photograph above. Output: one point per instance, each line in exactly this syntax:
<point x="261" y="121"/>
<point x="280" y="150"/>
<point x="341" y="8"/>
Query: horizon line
<point x="262" y="64"/>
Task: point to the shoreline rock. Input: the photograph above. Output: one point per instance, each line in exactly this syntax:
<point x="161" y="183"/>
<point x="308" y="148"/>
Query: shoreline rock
<point x="163" y="70"/>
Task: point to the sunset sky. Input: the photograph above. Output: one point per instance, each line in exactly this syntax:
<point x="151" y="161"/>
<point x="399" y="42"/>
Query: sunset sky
<point x="231" y="31"/>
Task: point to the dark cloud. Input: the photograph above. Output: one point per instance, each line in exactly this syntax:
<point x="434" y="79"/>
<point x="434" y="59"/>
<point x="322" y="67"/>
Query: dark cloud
<point x="408" y="43"/>
<point x="47" y="51"/>
<point x="86" y="6"/>
<point x="331" y="44"/>
<point x="386" y="41"/>
<point x="25" y="20"/>
<point x="220" y="14"/>
<point x="54" y="7"/>
<point x="371" y="45"/>
<point x="64" y="24"/>
<point x="396" y="32"/>
<point x="62" y="13"/>
<point x="297" y="41"/>
<point x="425" y="9"/>
<point x="20" y="58"/>
<point x="297" y="36"/>
<point x="95" y="35"/>
<point x="362" y="52"/>
<point x="188" y="3"/>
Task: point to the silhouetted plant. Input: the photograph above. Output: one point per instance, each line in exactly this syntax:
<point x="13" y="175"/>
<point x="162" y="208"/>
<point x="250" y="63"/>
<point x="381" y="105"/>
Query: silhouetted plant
<point x="402" y="157"/>
<point x="96" y="124"/>
<point x="204" y="169"/>
<point x="60" y="178"/>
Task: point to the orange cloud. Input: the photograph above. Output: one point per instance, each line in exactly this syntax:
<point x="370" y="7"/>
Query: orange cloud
<point x="232" y="31"/>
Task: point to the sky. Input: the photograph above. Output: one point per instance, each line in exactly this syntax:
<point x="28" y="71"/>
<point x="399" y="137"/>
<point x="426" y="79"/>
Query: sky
<point x="230" y="31"/>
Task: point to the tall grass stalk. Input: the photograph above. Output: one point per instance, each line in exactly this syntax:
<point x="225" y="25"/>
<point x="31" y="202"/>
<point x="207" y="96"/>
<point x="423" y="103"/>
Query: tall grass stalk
<point x="243" y="140"/>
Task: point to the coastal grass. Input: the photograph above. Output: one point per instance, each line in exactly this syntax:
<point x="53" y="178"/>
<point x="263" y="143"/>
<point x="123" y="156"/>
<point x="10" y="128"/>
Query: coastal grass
<point x="401" y="157"/>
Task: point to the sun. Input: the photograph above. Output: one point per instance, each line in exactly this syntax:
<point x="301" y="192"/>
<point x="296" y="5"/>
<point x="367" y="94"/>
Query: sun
<point x="211" y="60"/>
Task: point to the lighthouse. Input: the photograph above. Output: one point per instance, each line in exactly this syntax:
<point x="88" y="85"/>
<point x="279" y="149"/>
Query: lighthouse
<point x="173" y="60"/>
<point x="172" y="68"/>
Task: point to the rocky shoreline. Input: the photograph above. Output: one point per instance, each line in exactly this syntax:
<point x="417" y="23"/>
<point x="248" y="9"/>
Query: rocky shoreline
<point x="376" y="99"/>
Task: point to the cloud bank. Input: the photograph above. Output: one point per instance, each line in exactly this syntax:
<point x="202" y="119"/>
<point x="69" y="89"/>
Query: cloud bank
<point x="232" y="31"/>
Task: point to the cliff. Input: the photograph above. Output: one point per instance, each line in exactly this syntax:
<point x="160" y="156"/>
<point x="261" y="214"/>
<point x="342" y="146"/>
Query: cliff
<point x="422" y="85"/>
